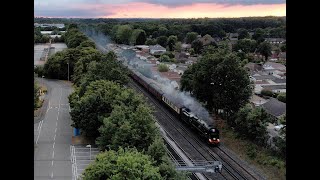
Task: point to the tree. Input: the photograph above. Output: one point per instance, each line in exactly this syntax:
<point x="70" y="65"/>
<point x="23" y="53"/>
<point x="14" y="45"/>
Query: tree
<point x="258" y="35"/>
<point x="283" y="48"/>
<point x="172" y="41"/>
<point x="282" y="97"/>
<point x="251" y="123"/>
<point x="197" y="46"/>
<point x="151" y="42"/>
<point x="138" y="37"/>
<point x="122" y="164"/>
<point x="76" y="39"/>
<point x="243" y="33"/>
<point x="107" y="69"/>
<point x="218" y="80"/>
<point x="57" y="65"/>
<point x="163" y="68"/>
<point x="141" y="39"/>
<point x="128" y="126"/>
<point x="97" y="99"/>
<point x="162" y="40"/>
<point x="123" y="34"/>
<point x="95" y="104"/>
<point x="164" y="58"/>
<point x="280" y="141"/>
<point x="36" y="96"/>
<point x="162" y="31"/>
<point x="87" y="43"/>
<point x="191" y="36"/>
<point x="245" y="45"/>
<point x="178" y="46"/>
<point x="265" y="49"/>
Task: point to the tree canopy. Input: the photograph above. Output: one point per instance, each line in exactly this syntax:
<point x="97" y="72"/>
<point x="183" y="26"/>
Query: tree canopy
<point x="127" y="164"/>
<point x="218" y="80"/>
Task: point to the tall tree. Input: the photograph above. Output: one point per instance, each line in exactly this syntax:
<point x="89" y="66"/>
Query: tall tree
<point x="218" y="80"/>
<point x="123" y="34"/>
<point x="243" y="33"/>
<point x="138" y="37"/>
<point x="265" y="49"/>
<point x="162" y="40"/>
<point x="191" y="36"/>
<point x="172" y="41"/>
<point x="128" y="126"/>
<point x="197" y="45"/>
<point x="245" y="45"/>
<point x="252" y="124"/>
<point x="127" y="164"/>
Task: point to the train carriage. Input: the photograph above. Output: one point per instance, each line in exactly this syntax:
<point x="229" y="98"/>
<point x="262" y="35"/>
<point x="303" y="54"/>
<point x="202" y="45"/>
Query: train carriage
<point x="205" y="129"/>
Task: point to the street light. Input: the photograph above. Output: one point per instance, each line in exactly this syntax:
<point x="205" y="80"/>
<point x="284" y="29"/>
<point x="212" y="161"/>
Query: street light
<point x="89" y="146"/>
<point x="68" y="70"/>
<point x="42" y="79"/>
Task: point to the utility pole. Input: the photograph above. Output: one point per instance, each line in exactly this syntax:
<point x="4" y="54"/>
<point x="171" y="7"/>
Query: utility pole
<point x="68" y="70"/>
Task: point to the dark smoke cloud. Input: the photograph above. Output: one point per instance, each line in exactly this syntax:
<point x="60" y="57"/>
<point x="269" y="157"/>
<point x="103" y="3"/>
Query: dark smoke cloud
<point x="167" y="86"/>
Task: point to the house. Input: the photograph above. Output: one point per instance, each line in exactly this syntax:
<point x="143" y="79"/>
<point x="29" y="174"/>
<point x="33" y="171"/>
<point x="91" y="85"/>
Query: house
<point x="143" y="48"/>
<point x="257" y="101"/>
<point x="233" y="36"/>
<point x="273" y="66"/>
<point x="275" y="109"/>
<point x="157" y="50"/>
<point x="185" y="47"/>
<point x="275" y="40"/>
<point x="276" y="88"/>
<point x="253" y="67"/>
<point x="282" y="56"/>
<point x="207" y="40"/>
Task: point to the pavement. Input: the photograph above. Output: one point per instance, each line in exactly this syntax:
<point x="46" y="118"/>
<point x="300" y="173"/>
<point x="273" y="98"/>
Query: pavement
<point x="53" y="134"/>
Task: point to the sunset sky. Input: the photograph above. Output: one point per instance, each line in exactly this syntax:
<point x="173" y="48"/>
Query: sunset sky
<point x="158" y="8"/>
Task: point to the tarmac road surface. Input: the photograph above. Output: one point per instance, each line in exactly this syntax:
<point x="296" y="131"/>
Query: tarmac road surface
<point x="53" y="135"/>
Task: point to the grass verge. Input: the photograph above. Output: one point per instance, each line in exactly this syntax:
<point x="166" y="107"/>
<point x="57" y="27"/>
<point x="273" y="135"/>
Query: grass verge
<point x="262" y="158"/>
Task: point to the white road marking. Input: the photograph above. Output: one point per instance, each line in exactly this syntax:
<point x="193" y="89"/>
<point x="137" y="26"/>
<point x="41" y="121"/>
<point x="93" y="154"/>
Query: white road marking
<point x="52" y="154"/>
<point x="52" y="163"/>
<point x="53" y="144"/>
<point x="55" y="130"/>
<point x="39" y="131"/>
<point x="54" y="137"/>
<point x="52" y="174"/>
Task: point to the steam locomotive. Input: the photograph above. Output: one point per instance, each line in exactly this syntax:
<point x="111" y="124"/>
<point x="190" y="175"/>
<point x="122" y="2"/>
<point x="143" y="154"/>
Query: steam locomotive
<point x="206" y="131"/>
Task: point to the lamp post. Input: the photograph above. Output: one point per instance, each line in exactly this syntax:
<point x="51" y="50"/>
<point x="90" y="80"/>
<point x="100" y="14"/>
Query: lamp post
<point x="89" y="146"/>
<point x="42" y="79"/>
<point x="68" y="70"/>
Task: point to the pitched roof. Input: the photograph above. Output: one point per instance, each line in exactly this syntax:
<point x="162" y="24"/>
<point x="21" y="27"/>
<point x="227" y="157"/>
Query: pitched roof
<point x="274" y="65"/>
<point x="278" y="80"/>
<point x="274" y="107"/>
<point x="253" y="66"/>
<point x="157" y="47"/>
<point x="274" y="87"/>
<point x="282" y="55"/>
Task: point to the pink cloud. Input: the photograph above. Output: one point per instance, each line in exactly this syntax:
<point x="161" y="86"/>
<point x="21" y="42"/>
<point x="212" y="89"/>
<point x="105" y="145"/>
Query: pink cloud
<point x="145" y="10"/>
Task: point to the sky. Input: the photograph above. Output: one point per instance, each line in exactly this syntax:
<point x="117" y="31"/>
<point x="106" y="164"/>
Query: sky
<point x="158" y="8"/>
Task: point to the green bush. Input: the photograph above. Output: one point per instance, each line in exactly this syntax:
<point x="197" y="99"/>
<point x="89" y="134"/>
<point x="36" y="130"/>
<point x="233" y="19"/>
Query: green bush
<point x="266" y="92"/>
<point x="282" y="97"/>
<point x="164" y="58"/>
<point x="251" y="152"/>
<point x="163" y="68"/>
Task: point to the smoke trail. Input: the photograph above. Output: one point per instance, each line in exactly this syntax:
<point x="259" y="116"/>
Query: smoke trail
<point x="167" y="86"/>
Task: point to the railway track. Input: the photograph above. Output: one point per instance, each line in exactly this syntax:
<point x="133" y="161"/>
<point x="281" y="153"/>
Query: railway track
<point x="231" y="168"/>
<point x="218" y="154"/>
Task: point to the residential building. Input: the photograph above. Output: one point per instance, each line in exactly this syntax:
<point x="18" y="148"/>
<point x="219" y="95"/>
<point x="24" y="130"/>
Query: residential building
<point x="157" y="50"/>
<point x="275" y="109"/>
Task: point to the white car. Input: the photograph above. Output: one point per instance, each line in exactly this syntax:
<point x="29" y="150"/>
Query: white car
<point x="277" y="128"/>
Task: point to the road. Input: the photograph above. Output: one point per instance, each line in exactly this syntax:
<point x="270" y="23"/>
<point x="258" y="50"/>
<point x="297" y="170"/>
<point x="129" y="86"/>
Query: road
<point x="53" y="135"/>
